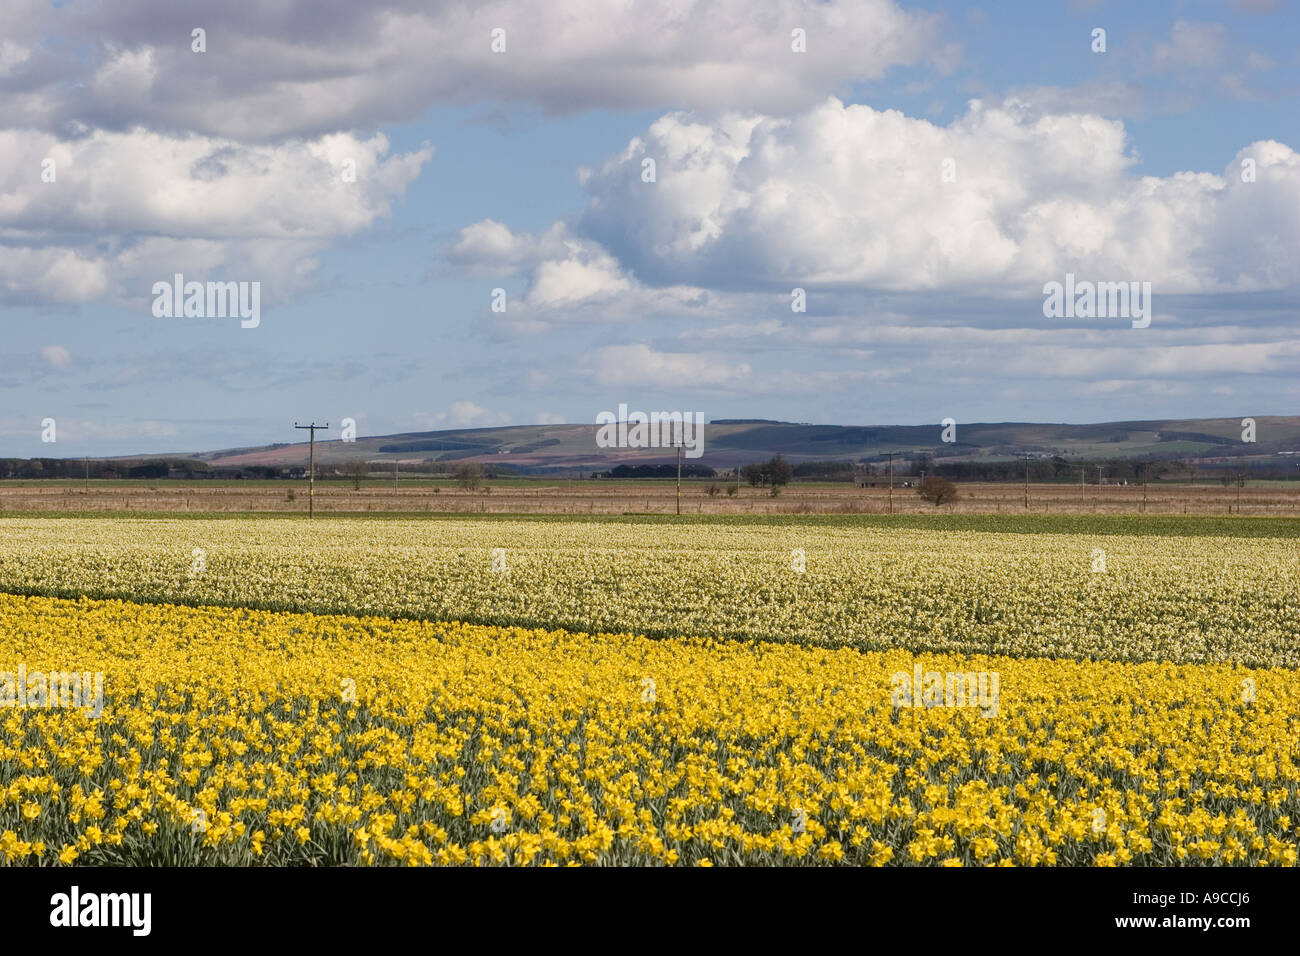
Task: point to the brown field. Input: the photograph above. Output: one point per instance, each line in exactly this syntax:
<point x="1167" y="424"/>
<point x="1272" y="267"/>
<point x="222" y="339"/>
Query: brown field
<point x="610" y="497"/>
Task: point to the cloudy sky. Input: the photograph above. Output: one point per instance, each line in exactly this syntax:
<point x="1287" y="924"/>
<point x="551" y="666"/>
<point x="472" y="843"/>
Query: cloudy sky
<point x="383" y="168"/>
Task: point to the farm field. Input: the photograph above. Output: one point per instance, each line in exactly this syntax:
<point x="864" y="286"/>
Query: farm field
<point x="781" y="690"/>
<point x="1067" y="590"/>
<point x="236" y="737"/>
<point x="616" y="497"/>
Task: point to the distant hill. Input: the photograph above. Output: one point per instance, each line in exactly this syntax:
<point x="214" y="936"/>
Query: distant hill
<point x="549" y="449"/>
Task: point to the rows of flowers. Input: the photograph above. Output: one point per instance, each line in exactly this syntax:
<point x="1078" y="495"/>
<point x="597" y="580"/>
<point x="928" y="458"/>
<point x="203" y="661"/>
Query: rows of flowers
<point x="1126" y="598"/>
<point x="240" y="736"/>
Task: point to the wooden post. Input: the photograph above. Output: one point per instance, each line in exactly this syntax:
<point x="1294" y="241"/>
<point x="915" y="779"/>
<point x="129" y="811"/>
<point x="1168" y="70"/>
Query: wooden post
<point x="891" y="482"/>
<point x="311" y="467"/>
<point x="679" y="479"/>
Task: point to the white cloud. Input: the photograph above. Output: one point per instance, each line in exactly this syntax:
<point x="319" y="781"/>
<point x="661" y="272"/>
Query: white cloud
<point x="72" y="430"/>
<point x="640" y="365"/>
<point x="741" y="331"/>
<point x="56" y="355"/>
<point x="489" y="246"/>
<point x="463" y="414"/>
<point x="197" y="186"/>
<point x="126" y="78"/>
<point x="1192" y="44"/>
<point x="12" y="56"/>
<point x="182" y="203"/>
<point x="304" y="67"/>
<point x="63" y="276"/>
<point x="571" y="280"/>
<point x="848" y="195"/>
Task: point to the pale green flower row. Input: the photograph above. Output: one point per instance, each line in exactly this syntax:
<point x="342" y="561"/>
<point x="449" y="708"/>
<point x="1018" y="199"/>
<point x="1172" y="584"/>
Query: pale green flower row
<point x="1183" y="599"/>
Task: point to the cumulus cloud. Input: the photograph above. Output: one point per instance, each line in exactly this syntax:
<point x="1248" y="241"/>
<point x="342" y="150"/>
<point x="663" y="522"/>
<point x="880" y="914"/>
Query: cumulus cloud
<point x="569" y="278"/>
<point x="851" y="195"/>
<point x="182" y="203"/>
<point x="51" y="274"/>
<point x="564" y="269"/>
<point x="307" y="67"/>
<point x="490" y="247"/>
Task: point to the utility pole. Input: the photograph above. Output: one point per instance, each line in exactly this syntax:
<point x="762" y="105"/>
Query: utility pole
<point x="679" y="479"/>
<point x="1028" y="459"/>
<point x="394" y="474"/>
<point x="891" y="482"/>
<point x="1146" y="470"/>
<point x="311" y="467"/>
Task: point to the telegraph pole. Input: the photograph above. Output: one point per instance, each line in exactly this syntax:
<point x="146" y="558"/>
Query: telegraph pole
<point x="1027" y="460"/>
<point x="891" y="482"/>
<point x="679" y="479"/>
<point x="394" y="474"/>
<point x="1146" y="470"/>
<point x="311" y="467"/>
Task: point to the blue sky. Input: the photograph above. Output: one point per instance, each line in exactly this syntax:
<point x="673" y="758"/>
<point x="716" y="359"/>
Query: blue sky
<point x="522" y="170"/>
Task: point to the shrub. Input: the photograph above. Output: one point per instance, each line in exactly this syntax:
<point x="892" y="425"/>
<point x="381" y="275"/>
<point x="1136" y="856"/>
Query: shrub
<point x="937" y="491"/>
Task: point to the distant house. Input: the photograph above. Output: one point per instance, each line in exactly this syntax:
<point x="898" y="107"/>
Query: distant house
<point x="297" y="472"/>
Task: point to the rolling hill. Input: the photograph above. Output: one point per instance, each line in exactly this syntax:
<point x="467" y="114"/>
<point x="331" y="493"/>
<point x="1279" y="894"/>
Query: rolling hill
<point x="543" y="449"/>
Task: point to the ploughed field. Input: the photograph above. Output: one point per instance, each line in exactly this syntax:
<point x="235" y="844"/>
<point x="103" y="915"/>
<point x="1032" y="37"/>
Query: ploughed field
<point x="615" y="497"/>
<point x="464" y="690"/>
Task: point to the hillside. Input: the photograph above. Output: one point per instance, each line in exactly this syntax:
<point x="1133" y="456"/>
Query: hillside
<point x="560" y="448"/>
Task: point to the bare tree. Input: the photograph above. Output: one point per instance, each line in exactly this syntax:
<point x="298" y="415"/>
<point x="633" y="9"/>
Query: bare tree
<point x="356" y="469"/>
<point x="937" y="491"/>
<point x="468" y="474"/>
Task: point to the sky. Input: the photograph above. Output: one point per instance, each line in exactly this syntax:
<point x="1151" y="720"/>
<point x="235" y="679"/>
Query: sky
<point x="384" y="173"/>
